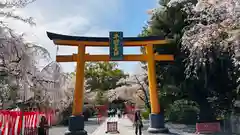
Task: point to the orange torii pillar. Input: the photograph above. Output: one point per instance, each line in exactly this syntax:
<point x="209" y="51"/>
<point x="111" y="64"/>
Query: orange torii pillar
<point x="116" y="42"/>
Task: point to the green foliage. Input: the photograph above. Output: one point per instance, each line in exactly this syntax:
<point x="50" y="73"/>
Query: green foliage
<point x="167" y="95"/>
<point x="100" y="98"/>
<point x="183" y="111"/>
<point x="169" y="22"/>
<point x="103" y="76"/>
<point x="146" y="113"/>
<point x="145" y="31"/>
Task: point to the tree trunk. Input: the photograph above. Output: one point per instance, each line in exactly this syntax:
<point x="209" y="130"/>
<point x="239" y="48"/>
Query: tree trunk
<point x="206" y="112"/>
<point x="145" y="93"/>
<point x="146" y="99"/>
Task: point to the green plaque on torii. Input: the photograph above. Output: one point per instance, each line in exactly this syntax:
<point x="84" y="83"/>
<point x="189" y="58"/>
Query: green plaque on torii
<point x="116" y="45"/>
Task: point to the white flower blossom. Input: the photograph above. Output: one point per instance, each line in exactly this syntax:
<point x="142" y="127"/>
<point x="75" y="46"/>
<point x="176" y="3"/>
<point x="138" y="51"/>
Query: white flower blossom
<point x="216" y="23"/>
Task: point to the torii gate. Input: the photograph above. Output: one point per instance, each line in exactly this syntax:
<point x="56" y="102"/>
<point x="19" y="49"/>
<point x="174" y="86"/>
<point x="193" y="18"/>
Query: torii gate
<point x="115" y="42"/>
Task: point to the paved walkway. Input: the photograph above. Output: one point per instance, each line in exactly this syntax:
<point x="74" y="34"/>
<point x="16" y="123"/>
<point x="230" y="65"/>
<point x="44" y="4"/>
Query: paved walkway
<point x="125" y="127"/>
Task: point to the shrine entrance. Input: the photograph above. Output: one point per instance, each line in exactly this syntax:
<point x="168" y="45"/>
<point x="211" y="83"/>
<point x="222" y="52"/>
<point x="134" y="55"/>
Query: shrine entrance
<point x="116" y="43"/>
<point x="117" y="103"/>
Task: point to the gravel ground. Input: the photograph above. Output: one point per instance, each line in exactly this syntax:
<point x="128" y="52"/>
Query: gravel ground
<point x="177" y="129"/>
<point x="90" y="127"/>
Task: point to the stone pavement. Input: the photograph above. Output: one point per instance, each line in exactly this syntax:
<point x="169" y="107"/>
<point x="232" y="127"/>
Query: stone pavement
<point x="125" y="127"/>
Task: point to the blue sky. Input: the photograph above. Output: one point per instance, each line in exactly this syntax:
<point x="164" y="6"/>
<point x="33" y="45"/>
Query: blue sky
<point x="85" y="18"/>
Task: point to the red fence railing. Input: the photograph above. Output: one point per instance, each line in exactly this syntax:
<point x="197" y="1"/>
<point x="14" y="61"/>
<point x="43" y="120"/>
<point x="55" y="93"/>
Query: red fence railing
<point x="101" y="113"/>
<point x="17" y="122"/>
<point x="130" y="109"/>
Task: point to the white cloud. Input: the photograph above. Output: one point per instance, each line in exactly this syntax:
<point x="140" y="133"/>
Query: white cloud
<point x="73" y="17"/>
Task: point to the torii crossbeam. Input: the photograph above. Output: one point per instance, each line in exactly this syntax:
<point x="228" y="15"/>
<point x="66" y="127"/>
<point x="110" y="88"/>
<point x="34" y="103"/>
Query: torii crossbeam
<point x="116" y="42"/>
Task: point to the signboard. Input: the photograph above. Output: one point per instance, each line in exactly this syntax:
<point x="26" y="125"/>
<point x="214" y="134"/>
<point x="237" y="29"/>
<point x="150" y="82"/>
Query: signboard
<point x="116" y="45"/>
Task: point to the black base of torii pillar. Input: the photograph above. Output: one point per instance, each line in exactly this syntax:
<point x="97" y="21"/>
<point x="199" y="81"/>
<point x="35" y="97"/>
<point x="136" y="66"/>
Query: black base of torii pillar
<point x="76" y="126"/>
<point x="157" y="124"/>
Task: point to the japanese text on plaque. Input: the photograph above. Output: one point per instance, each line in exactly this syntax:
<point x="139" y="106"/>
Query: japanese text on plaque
<point x="116" y="44"/>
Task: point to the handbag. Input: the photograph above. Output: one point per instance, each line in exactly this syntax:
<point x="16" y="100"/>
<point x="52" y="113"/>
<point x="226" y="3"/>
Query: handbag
<point x="139" y="123"/>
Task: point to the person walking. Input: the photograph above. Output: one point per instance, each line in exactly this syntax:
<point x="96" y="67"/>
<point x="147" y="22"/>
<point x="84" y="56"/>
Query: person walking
<point x="119" y="113"/>
<point x="138" y="122"/>
<point x="43" y="126"/>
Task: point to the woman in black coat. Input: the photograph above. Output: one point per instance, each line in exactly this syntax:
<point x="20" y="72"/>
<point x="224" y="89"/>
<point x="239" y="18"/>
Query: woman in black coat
<point x="43" y="126"/>
<point x="138" y="122"/>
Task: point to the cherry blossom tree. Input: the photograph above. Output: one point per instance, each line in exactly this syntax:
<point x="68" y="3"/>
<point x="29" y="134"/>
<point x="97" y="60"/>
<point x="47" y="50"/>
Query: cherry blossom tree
<point x="211" y="42"/>
<point x="19" y="60"/>
<point x="53" y="85"/>
<point x="139" y="80"/>
<point x="9" y="6"/>
<point x="208" y="54"/>
<point x="215" y="24"/>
